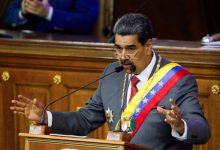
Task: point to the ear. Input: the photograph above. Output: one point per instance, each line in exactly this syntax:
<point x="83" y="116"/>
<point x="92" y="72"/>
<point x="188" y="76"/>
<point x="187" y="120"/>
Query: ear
<point x="148" y="46"/>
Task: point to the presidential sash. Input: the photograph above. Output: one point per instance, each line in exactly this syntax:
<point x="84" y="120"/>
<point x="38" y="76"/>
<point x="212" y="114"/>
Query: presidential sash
<point x="150" y="95"/>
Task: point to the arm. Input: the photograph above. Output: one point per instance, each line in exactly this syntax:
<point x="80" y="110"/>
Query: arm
<point x="11" y="17"/>
<point x="80" y="123"/>
<point x="187" y="99"/>
<point x="70" y="16"/>
<point x="186" y="114"/>
<point x="80" y="19"/>
<point x="85" y="120"/>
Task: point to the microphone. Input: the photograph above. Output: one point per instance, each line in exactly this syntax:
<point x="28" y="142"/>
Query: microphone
<point x="42" y="120"/>
<point x="132" y="68"/>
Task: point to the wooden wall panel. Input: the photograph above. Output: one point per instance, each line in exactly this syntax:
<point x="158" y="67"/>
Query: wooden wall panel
<point x="175" y="19"/>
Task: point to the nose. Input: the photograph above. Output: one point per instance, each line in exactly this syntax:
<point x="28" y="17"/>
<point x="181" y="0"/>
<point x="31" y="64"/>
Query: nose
<point x="124" y="57"/>
<point x="124" y="54"/>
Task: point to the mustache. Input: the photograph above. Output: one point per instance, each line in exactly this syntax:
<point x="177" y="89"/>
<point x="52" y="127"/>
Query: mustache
<point x="126" y="62"/>
<point x="130" y="63"/>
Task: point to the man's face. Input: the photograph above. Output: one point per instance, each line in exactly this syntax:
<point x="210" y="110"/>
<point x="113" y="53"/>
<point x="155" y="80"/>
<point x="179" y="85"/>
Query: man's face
<point x="129" y="50"/>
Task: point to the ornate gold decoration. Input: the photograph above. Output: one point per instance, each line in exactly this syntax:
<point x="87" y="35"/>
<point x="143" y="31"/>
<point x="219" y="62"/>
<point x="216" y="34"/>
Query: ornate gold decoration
<point x="125" y="124"/>
<point x="32" y="123"/>
<point x="5" y="76"/>
<point x="57" y="79"/>
<point x="215" y="89"/>
<point x="109" y="115"/>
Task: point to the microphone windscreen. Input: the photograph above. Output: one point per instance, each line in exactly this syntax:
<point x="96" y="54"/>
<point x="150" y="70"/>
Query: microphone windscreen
<point x="119" y="69"/>
<point x="133" y="68"/>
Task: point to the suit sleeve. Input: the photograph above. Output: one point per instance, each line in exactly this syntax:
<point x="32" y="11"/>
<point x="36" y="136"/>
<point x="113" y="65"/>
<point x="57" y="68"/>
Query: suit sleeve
<point x="187" y="99"/>
<point x="11" y="17"/>
<point x="81" y="19"/>
<point x="72" y="16"/>
<point x="84" y="121"/>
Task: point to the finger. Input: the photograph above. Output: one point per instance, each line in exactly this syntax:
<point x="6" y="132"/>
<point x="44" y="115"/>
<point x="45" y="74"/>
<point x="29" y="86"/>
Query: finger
<point x="172" y="102"/>
<point x="172" y="114"/>
<point x="174" y="107"/>
<point x="18" y="113"/>
<point x="15" y="112"/>
<point x="32" y="3"/>
<point x="21" y="97"/>
<point x="18" y="103"/>
<point x="29" y="8"/>
<point x="169" y="121"/>
<point x="21" y="113"/>
<point x="162" y="111"/>
<point x="19" y="109"/>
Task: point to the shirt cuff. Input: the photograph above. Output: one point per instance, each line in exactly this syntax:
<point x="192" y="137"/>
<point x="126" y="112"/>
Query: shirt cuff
<point x="20" y="15"/>
<point x="50" y="14"/>
<point x="49" y="119"/>
<point x="177" y="135"/>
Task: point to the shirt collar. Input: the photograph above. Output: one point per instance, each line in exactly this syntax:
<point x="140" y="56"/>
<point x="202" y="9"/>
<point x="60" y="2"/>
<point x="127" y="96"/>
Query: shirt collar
<point x="145" y="74"/>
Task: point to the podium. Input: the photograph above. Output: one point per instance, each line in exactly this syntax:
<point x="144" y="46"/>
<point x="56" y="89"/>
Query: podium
<point x="48" y="142"/>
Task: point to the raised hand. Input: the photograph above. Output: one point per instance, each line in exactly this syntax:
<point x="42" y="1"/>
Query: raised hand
<point x="173" y="117"/>
<point x="31" y="109"/>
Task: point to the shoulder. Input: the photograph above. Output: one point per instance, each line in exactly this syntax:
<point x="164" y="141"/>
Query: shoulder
<point x="111" y="67"/>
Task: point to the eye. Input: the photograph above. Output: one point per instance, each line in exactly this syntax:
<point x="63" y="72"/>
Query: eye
<point x="118" y="49"/>
<point x="131" y="50"/>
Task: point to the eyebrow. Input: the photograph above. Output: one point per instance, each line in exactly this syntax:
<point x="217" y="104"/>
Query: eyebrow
<point x="117" y="45"/>
<point x="127" y="46"/>
<point x="131" y="46"/>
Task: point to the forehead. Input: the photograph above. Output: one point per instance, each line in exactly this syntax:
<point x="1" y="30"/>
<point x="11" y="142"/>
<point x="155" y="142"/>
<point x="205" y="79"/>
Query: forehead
<point x="124" y="40"/>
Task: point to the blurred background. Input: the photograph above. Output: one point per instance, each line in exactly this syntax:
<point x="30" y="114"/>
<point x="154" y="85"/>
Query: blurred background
<point x="171" y="19"/>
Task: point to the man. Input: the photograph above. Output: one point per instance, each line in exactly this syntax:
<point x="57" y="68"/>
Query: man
<point x="71" y="16"/>
<point x="163" y="114"/>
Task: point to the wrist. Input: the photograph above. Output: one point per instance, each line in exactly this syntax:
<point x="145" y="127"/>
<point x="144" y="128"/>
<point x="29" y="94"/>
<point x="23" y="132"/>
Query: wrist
<point x="180" y="128"/>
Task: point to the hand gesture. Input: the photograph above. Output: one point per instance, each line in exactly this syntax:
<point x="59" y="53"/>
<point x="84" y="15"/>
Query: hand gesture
<point x="173" y="117"/>
<point x="31" y="109"/>
<point x="36" y="7"/>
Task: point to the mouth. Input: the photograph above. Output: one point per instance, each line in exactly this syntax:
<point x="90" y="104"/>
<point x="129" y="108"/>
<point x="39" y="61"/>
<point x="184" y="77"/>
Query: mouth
<point x="126" y="64"/>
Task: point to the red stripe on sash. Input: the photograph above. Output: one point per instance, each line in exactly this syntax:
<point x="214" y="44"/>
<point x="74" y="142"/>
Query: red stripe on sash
<point x="156" y="99"/>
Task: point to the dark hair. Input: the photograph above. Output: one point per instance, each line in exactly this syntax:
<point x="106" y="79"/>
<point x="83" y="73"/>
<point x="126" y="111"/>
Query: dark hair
<point x="134" y="23"/>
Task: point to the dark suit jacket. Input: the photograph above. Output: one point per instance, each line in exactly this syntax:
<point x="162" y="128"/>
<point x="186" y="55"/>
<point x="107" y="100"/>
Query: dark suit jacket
<point x="72" y="16"/>
<point x="154" y="132"/>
